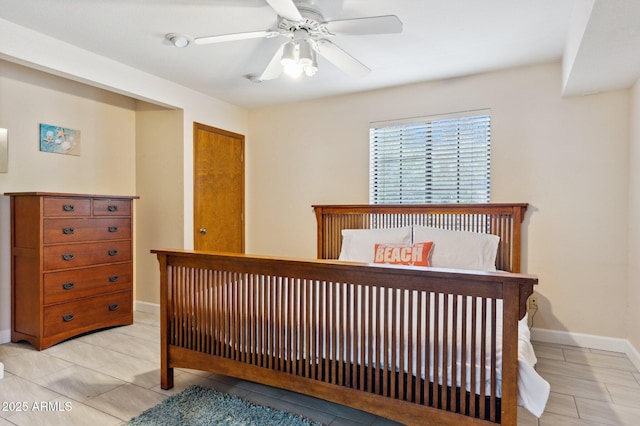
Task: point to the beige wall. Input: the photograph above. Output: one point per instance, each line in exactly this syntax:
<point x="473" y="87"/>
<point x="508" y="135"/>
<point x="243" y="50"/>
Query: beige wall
<point x="633" y="301"/>
<point x="107" y="161"/>
<point x="566" y="157"/>
<point x="160" y="185"/>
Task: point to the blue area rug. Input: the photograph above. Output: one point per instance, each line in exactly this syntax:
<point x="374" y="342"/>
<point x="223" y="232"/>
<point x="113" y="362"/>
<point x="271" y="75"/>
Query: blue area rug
<point x="198" y="405"/>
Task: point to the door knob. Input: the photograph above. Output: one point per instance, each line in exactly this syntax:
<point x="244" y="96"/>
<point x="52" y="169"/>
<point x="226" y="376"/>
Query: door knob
<point x="203" y="230"/>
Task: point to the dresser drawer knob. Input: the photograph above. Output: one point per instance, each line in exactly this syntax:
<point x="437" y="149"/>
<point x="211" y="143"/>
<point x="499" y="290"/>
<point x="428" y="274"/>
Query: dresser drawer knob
<point x="113" y="252"/>
<point x="113" y="229"/>
<point x="68" y="256"/>
<point x="112" y="208"/>
<point x="114" y="278"/>
<point x="113" y="307"/>
<point x="68" y="231"/>
<point x="68" y="207"/>
<point x="68" y="286"/>
<point x="67" y="318"/>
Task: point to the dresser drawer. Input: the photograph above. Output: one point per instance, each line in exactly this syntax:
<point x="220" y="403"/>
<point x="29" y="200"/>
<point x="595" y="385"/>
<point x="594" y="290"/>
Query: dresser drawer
<point x="87" y="313"/>
<point x="105" y="207"/>
<point x="70" y="285"/>
<point x="85" y="254"/>
<point x="64" y="207"/>
<point x="77" y="229"/>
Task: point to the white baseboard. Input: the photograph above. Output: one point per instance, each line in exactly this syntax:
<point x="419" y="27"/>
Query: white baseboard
<point x="5" y="336"/>
<point x="633" y="355"/>
<point x="150" y="308"/>
<point x="587" y="341"/>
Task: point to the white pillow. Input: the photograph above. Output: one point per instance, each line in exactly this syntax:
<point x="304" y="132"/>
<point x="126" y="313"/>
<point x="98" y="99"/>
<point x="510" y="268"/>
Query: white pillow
<point x="358" y="245"/>
<point x="459" y="249"/>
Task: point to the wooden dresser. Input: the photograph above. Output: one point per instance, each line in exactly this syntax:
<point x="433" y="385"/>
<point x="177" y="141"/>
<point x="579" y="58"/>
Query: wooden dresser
<point x="72" y="265"/>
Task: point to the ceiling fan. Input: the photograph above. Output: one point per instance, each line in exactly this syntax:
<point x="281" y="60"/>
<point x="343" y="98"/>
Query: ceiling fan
<point x="308" y="35"/>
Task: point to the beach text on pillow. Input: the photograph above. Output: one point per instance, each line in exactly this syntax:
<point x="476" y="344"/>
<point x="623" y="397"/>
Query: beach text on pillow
<point x="416" y="254"/>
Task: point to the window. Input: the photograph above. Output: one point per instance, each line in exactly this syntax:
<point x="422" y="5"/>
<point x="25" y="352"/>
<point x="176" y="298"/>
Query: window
<point x="443" y="159"/>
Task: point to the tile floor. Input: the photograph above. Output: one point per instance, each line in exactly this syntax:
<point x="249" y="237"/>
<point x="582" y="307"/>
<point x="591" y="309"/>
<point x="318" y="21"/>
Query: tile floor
<point x="108" y="377"/>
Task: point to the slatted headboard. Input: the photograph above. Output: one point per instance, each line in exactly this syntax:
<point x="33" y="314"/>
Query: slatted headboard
<point x="501" y="219"/>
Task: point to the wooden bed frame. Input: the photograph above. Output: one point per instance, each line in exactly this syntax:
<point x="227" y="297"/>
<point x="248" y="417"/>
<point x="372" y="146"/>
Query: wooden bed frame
<point x="298" y="324"/>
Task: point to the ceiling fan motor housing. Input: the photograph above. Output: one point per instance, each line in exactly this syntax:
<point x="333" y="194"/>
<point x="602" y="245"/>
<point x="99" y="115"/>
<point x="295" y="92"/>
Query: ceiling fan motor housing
<point x="312" y="23"/>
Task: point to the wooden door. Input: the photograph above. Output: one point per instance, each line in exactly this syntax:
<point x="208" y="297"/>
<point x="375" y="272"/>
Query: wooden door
<point x="218" y="189"/>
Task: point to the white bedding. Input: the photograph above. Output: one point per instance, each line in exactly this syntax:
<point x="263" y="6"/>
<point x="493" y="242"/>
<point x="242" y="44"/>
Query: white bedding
<point x="533" y="390"/>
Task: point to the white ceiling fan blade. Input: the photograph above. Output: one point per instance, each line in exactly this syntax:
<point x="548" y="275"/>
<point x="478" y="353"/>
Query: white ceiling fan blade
<point x="388" y="24"/>
<point x="286" y="8"/>
<point x="232" y="37"/>
<point x="274" y="69"/>
<point x="341" y="59"/>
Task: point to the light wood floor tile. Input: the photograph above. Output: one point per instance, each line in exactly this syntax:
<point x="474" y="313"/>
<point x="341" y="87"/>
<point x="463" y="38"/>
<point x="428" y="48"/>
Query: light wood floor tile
<point x="575" y="348"/>
<point x="145" y="318"/>
<point x="525" y="418"/>
<point x="126" y="401"/>
<point x="578" y="387"/>
<point x="134" y="370"/>
<point x="608" y="353"/>
<point x="561" y="404"/>
<point x="550" y="419"/>
<point x="12" y="349"/>
<point x="140" y="330"/>
<point x="599" y="360"/>
<point x="105" y="338"/>
<point x="608" y="413"/>
<point x="33" y="364"/>
<point x="79" y="352"/>
<point x="137" y="348"/>
<point x="548" y="352"/>
<point x="587" y="372"/>
<point x="625" y="396"/>
<point x="79" y="383"/>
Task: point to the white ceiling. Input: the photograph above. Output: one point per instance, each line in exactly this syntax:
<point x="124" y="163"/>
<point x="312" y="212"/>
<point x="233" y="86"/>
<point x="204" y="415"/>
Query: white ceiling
<point x="599" y="40"/>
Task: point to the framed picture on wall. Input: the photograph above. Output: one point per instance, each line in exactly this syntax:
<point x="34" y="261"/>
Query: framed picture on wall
<point x="59" y="140"/>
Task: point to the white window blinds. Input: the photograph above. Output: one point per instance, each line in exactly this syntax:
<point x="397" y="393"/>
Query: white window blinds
<point x="437" y="160"/>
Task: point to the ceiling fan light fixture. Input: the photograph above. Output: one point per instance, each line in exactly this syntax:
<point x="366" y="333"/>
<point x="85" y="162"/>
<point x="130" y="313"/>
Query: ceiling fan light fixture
<point x="299" y="57"/>
<point x="294" y="71"/>
<point x="290" y="59"/>
<point x="289" y="54"/>
<point x="305" y="54"/>
<point x="311" y="69"/>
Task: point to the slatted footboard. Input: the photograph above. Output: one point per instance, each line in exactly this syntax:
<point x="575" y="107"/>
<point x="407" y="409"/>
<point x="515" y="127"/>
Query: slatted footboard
<point x="419" y="346"/>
